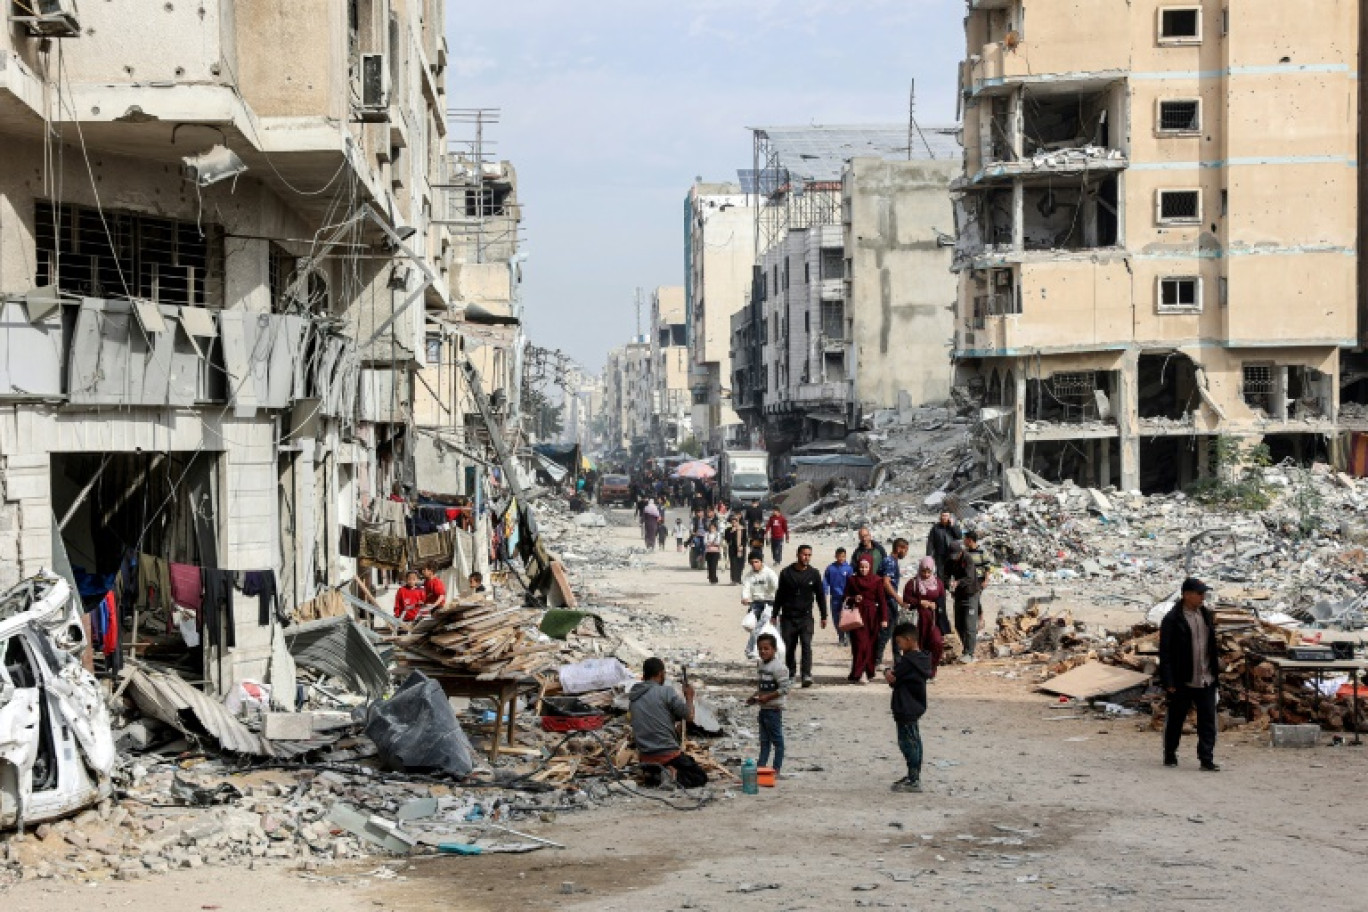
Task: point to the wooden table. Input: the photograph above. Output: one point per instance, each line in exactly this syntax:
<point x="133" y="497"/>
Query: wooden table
<point x="1354" y="667"/>
<point x="504" y="692"/>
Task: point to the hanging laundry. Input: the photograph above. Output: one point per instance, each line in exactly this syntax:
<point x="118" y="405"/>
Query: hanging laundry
<point x="186" y="586"/>
<point x="384" y="551"/>
<point x="216" y="620"/>
<point x="389" y="516"/>
<point x="154" y="583"/>
<point x="262" y="583"/>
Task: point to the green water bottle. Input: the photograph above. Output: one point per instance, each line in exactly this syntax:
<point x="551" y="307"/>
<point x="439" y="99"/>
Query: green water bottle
<point x="750" y="784"/>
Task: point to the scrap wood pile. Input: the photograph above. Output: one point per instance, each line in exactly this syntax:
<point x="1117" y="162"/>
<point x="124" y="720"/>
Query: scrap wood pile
<point x="1248" y="680"/>
<point x="481" y="639"/>
<point x="610" y="752"/>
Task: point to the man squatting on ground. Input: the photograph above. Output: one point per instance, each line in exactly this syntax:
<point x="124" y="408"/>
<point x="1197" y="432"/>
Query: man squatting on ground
<point x="799" y="586"/>
<point x="655" y="710"/>
<point x="1189" y="669"/>
<point x="774" y="683"/>
<point x="908" y="679"/>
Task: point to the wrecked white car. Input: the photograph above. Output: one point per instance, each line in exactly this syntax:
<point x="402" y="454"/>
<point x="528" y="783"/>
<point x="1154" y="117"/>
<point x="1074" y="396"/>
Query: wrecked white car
<point x="56" y="748"/>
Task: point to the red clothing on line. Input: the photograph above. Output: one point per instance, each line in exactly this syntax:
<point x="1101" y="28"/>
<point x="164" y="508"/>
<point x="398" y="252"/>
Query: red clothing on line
<point x="408" y="603"/>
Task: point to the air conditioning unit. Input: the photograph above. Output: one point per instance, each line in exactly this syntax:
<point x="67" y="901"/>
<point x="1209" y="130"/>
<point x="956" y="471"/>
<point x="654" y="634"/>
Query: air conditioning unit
<point x="47" y="18"/>
<point x="375" y="89"/>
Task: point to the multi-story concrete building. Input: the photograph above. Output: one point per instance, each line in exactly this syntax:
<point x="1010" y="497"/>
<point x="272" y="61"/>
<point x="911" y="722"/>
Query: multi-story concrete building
<point x="1157" y="238"/>
<point x="216" y="248"/>
<point x="627" y="396"/>
<point x="719" y="253"/>
<point x="482" y="325"/>
<point x="671" y="401"/>
<point x="852" y="301"/>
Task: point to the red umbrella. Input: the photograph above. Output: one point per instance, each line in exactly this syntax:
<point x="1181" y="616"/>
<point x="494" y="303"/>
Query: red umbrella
<point x="695" y="469"/>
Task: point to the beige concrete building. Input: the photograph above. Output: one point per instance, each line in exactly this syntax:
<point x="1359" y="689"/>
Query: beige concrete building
<point x="216" y="248"/>
<point x="1157" y="230"/>
<point x="671" y="401"/>
<point x="719" y="254"/>
<point x="852" y="304"/>
<point x="627" y="399"/>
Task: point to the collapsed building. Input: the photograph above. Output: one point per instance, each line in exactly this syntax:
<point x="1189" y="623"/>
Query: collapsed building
<point x="229" y="262"/>
<point x="850" y="300"/>
<point x="1157" y="235"/>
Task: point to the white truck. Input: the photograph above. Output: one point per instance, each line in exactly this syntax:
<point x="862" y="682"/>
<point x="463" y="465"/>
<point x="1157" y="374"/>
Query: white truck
<point x="744" y="476"/>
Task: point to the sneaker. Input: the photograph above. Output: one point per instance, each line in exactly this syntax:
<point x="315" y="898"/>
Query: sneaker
<point x="907" y="786"/>
<point x="966" y="659"/>
<point x="807" y="682"/>
<point x="1170" y="761"/>
<point x="1209" y="767"/>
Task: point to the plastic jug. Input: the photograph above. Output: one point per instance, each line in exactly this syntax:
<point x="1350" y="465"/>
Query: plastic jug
<point x="749" y="780"/>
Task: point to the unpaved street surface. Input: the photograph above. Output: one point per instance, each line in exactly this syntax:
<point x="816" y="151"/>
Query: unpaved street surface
<point x="1027" y="807"/>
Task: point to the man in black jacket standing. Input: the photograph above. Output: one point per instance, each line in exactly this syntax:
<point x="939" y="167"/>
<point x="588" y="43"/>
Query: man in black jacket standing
<point x="938" y="541"/>
<point x="799" y="586"/>
<point x="1189" y="670"/>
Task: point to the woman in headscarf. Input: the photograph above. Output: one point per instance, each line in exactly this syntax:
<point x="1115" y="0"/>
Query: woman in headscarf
<point x="925" y="594"/>
<point x="650" y="520"/>
<point x="866" y="593"/>
<point x="736" y="547"/>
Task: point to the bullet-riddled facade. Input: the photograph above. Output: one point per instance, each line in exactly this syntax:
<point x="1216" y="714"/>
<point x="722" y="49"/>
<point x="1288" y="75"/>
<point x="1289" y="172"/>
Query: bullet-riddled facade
<point x="1156" y="230"/>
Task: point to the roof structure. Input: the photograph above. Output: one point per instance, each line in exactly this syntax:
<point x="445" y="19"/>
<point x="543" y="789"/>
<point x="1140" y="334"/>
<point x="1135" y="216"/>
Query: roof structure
<point x="820" y="153"/>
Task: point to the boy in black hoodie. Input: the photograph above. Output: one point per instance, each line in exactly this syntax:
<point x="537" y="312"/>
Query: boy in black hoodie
<point x="908" y="679"/>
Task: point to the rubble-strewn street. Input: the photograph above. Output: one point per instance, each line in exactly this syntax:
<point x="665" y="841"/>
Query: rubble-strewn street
<point x="1030" y="801"/>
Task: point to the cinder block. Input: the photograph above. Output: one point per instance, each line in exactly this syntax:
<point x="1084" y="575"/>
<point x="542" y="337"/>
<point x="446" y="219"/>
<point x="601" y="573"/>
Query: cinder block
<point x="282" y="726"/>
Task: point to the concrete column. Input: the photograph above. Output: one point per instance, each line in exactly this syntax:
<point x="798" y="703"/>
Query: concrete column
<point x="1128" y="420"/>
<point x="1018" y="216"/>
<point x="1019" y="415"/>
<point x="1104" y="474"/>
<point x="1016" y="122"/>
<point x="1203" y="457"/>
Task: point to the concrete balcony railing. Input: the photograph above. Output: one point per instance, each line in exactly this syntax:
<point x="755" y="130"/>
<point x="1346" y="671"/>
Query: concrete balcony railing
<point x="829" y="393"/>
<point x="831" y="289"/>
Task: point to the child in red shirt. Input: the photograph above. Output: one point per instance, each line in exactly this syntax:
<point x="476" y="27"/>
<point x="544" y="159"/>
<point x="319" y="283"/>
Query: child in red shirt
<point x="434" y="590"/>
<point x="408" y="601"/>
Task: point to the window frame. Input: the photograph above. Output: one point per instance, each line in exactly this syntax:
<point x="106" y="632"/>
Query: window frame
<point x="1161" y="219"/>
<point x="1161" y="130"/>
<point x="1162" y="308"/>
<point x="1177" y="40"/>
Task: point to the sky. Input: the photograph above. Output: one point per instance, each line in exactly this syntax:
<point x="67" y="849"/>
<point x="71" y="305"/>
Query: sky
<point x="611" y="108"/>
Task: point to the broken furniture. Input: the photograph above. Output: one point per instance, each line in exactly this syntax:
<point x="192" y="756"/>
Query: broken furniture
<point x="503" y="691"/>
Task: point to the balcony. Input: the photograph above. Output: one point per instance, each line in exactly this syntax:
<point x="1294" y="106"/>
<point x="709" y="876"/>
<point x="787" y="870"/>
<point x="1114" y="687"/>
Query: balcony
<point x="822" y="394"/>
<point x="831" y="289"/>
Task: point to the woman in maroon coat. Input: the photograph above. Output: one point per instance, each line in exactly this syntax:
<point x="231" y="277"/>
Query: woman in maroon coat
<point x="924" y="592"/>
<point x="866" y="592"/>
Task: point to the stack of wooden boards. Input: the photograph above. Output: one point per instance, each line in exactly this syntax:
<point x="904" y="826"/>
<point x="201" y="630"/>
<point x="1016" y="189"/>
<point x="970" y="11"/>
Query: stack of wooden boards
<point x="481" y="639"/>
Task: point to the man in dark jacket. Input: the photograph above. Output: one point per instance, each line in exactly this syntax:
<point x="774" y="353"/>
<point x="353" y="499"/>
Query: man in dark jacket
<point x="1190" y="670"/>
<point x="908" y="679"/>
<point x="869" y="548"/>
<point x="799" y="586"/>
<point x="938" y="541"/>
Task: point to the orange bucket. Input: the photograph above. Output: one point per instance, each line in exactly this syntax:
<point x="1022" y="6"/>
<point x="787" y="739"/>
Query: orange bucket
<point x="764" y="777"/>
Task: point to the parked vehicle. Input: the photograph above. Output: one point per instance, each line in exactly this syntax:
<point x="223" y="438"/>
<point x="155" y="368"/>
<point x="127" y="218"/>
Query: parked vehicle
<point x="615" y="489"/>
<point x="744" y="476"/>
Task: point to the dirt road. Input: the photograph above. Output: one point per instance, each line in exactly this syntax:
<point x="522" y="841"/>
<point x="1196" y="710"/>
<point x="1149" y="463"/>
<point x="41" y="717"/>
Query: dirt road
<point x="1025" y="808"/>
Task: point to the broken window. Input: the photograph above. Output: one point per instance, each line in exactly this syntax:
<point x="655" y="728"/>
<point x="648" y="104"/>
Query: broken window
<point x="832" y="266"/>
<point x="1166" y="386"/>
<point x="1070" y="396"/>
<point x="1257" y="386"/>
<point x="127" y="255"/>
<point x="486" y="201"/>
<point x="1179" y="207"/>
<point x="1180" y="294"/>
<point x="833" y="366"/>
<point x="833" y="319"/>
<point x="1180" y="25"/>
<point x="283" y="269"/>
<point x="434" y="348"/>
<point x="1180" y="115"/>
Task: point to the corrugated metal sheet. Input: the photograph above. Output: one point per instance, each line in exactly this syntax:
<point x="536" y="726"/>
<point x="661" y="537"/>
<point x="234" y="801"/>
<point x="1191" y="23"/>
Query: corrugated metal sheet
<point x="340" y="648"/>
<point x="173" y="701"/>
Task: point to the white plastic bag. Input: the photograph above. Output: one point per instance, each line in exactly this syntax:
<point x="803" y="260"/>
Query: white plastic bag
<point x="748" y="620"/>
<point x="778" y="640"/>
<point x="593" y="674"/>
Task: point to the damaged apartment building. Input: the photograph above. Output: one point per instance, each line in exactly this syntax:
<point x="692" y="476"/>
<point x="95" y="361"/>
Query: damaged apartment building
<point x="218" y="241"/>
<point x="851" y="301"/>
<point x="1156" y="231"/>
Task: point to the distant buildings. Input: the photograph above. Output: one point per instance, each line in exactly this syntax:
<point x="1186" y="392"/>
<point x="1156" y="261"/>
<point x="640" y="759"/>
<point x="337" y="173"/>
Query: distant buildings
<point x="851" y="302"/>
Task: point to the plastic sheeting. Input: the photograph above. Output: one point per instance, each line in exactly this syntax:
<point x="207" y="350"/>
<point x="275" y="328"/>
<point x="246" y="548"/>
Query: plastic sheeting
<point x="417" y="730"/>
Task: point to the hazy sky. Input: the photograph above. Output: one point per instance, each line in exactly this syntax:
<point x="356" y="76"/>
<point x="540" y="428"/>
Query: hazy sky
<point x="612" y="107"/>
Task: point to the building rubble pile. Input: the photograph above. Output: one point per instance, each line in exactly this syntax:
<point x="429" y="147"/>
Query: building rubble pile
<point x="186" y="798"/>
